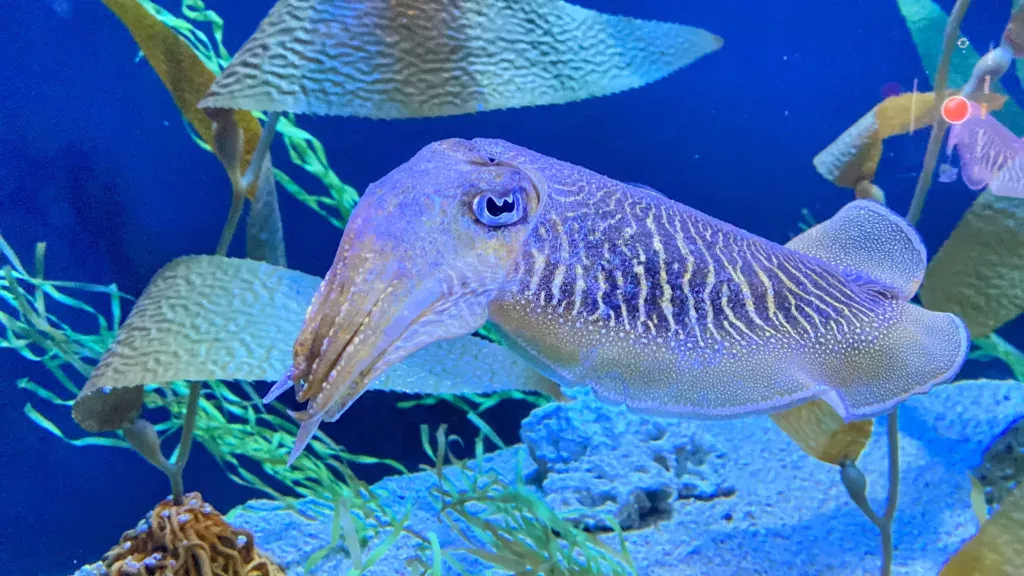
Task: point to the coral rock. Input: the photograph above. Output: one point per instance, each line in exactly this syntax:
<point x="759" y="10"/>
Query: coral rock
<point x="192" y="539"/>
<point x="595" y="460"/>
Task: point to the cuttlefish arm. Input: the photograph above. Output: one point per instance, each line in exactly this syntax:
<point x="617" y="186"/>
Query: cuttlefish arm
<point x="608" y="285"/>
<point x="414" y="266"/>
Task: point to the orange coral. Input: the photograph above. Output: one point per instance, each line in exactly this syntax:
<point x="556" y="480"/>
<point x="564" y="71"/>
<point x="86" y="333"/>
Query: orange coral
<point x="188" y="540"/>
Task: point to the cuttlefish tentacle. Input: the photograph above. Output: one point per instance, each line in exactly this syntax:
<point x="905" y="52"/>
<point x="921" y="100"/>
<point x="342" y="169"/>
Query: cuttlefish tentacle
<point x="604" y="284"/>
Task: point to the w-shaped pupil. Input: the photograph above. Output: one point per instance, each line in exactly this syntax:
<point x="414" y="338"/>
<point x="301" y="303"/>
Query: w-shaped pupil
<point x="495" y="208"/>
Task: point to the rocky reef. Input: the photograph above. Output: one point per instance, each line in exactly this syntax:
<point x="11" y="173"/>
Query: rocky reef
<point x="699" y="497"/>
<point x="595" y="461"/>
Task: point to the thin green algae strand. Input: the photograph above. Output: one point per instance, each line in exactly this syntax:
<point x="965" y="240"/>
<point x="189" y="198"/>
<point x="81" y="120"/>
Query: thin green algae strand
<point x="247" y="438"/>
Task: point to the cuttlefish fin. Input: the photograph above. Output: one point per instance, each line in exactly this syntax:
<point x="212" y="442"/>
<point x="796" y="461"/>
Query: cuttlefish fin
<point x="909" y="349"/>
<point x="871" y="244"/>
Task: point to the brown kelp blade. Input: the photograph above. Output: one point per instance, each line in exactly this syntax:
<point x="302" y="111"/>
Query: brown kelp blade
<point x="998" y="547"/>
<point x="853" y="157"/>
<point x="419" y="58"/>
<point x="978" y="274"/>
<point x="210" y="317"/>
<point x="182" y="73"/>
<point x="821" y="432"/>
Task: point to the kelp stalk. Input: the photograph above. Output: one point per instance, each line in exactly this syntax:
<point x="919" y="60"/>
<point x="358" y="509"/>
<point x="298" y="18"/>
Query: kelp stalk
<point x="148" y="444"/>
<point x="228" y="141"/>
<point x="177" y="469"/>
<point x="924" y="182"/>
<point x="939" y="125"/>
<point x="856" y="486"/>
<point x="142" y="436"/>
<point x="892" y="430"/>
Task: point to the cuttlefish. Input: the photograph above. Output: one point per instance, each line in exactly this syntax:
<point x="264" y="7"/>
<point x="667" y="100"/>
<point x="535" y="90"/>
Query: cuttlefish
<point x="614" y="286"/>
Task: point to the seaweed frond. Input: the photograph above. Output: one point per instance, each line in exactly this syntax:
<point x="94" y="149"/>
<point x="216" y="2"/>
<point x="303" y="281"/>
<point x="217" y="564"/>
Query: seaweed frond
<point x="304" y="149"/>
<point x="508" y="525"/>
<point x="248" y="439"/>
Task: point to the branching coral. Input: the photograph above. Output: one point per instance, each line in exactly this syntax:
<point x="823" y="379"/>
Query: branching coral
<point x="191" y="539"/>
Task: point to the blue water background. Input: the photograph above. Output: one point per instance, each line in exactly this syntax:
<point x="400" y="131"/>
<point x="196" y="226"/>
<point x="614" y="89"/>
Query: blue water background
<point x="95" y="161"/>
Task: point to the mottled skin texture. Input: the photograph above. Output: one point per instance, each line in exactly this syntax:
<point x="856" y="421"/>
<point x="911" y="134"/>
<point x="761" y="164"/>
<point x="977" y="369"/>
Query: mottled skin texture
<point x="604" y="284"/>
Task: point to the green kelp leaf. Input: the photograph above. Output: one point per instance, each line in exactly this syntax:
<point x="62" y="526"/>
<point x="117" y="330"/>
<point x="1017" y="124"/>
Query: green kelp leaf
<point x="978" y="274"/>
<point x="926" y="21"/>
<point x="998" y="548"/>
<point x="396" y="531"/>
<point x="215" y="318"/>
<point x="419" y="58"/>
<point x="264" y="234"/>
<point x="43" y="393"/>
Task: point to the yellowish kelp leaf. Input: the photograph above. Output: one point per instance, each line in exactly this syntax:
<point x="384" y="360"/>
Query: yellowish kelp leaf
<point x="216" y="318"/>
<point x="904" y="112"/>
<point x="978" y="499"/>
<point x="978" y="274"/>
<point x="420" y="58"/>
<point x="183" y="73"/>
<point x="821" y="432"/>
<point x="926" y="21"/>
<point x="852" y="158"/>
<point x="998" y="547"/>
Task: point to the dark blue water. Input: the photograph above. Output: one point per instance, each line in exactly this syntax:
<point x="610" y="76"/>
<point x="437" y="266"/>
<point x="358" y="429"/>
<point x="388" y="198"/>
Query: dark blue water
<point x="95" y="161"/>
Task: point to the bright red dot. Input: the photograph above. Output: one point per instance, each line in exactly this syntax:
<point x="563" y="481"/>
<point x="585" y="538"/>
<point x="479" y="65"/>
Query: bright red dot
<point x="955" y="109"/>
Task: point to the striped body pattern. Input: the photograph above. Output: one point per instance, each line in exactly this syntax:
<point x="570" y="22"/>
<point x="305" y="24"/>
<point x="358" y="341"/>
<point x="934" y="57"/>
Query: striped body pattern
<point x="651" y="269"/>
<point x="669" y="310"/>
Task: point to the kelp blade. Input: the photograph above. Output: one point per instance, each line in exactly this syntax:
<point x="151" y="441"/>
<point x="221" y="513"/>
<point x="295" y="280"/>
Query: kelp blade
<point x="853" y="157"/>
<point x="998" y="547"/>
<point x="216" y="318"/>
<point x="821" y="432"/>
<point x="420" y="58"/>
<point x="978" y="274"/>
<point x="182" y="72"/>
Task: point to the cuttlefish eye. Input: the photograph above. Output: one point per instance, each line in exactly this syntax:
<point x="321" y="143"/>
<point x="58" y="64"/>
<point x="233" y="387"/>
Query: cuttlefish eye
<point x="500" y="208"/>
